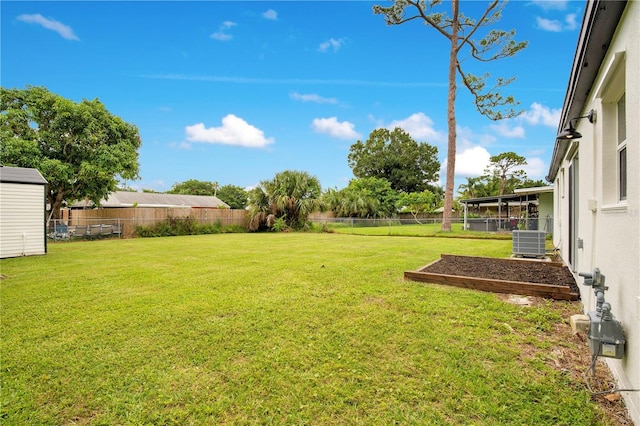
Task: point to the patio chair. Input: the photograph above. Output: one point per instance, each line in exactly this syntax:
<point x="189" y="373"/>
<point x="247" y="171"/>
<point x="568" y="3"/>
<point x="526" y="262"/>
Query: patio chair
<point x="79" y="231"/>
<point x="61" y="232"/>
<point x="94" y="231"/>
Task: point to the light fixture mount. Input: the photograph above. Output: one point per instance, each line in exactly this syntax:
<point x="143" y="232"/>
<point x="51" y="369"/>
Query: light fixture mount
<point x="570" y="132"/>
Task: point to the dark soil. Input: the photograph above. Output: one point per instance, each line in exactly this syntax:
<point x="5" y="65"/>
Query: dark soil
<point x="530" y="271"/>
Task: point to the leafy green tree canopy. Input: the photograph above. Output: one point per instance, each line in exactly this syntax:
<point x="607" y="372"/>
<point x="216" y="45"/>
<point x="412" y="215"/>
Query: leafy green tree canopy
<point x="502" y="176"/>
<point x="407" y="165"/>
<point x="289" y="197"/>
<point x="364" y="197"/>
<point x="417" y="203"/>
<point x="194" y="187"/>
<point x="234" y="196"/>
<point x="80" y="148"/>
<point x="505" y="167"/>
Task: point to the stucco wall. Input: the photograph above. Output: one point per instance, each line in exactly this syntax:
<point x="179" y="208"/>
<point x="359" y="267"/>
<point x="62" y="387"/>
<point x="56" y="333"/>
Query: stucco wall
<point x="608" y="228"/>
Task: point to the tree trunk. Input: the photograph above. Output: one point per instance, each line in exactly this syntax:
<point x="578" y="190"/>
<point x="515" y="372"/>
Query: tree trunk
<point x="451" y="121"/>
<point x="56" y="200"/>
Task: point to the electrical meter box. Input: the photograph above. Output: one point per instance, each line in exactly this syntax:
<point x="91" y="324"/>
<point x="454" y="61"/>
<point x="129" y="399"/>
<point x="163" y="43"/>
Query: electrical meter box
<point x="606" y="337"/>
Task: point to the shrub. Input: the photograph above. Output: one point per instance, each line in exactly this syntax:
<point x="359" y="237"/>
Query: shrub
<point x="184" y="226"/>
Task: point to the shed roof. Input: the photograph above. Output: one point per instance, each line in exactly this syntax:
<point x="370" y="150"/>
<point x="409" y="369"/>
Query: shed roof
<point x="150" y="199"/>
<point x="21" y="175"/>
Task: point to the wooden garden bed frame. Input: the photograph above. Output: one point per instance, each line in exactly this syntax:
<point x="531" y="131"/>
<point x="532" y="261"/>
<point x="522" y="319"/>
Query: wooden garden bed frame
<point x="558" y="292"/>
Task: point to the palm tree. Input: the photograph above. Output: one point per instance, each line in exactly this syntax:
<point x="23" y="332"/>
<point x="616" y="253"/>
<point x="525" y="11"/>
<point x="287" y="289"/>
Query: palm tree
<point x="290" y="195"/>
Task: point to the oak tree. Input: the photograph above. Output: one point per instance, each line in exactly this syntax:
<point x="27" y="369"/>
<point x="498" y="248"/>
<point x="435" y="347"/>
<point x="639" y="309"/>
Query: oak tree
<point x="81" y="149"/>
<point x="409" y="166"/>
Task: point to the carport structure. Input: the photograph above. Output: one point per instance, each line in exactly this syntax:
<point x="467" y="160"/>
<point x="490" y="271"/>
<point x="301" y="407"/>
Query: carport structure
<point x="527" y="208"/>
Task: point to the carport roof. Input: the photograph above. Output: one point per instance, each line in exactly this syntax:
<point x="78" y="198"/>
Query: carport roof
<point x="519" y="195"/>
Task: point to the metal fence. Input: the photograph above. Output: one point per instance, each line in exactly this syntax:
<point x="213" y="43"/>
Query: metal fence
<point x="60" y="230"/>
<point x="472" y="224"/>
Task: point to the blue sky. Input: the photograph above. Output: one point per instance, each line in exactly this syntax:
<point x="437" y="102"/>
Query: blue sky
<point x="235" y="92"/>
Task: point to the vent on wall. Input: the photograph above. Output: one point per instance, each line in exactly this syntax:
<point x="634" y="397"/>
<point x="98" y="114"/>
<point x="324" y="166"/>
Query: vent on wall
<point x="529" y="243"/>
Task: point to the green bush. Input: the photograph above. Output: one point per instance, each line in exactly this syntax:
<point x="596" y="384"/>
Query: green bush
<point x="184" y="226"/>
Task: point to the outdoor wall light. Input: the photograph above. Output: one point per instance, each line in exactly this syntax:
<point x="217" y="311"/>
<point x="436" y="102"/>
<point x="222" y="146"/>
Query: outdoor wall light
<point x="570" y="132"/>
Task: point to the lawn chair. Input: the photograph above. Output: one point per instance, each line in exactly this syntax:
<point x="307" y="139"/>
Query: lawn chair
<point x="61" y="232"/>
<point x="106" y="230"/>
<point x="94" y="231"/>
<point x="80" y="231"/>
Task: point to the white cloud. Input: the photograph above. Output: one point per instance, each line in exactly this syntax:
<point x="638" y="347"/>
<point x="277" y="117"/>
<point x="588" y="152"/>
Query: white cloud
<point x="466" y="138"/>
<point x="556" y="26"/>
<point x="221" y="33"/>
<point x="540" y="114"/>
<point x="312" y="97"/>
<point x="502" y="128"/>
<point x="471" y="162"/>
<point x="535" y="168"/>
<point x="234" y="131"/>
<point x="552" y="25"/>
<point x="51" y="24"/>
<point x="551" y="4"/>
<point x="334" y="128"/>
<point x="270" y="14"/>
<point x="332" y="43"/>
<point x="420" y="127"/>
<point x="571" y="22"/>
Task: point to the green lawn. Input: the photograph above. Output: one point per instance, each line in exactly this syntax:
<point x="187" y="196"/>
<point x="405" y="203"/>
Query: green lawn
<point x="273" y="328"/>
<point x="390" y="227"/>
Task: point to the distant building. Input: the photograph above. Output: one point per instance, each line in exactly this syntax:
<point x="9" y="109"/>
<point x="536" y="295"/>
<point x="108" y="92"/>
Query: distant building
<point x="120" y="199"/>
<point x="526" y="208"/>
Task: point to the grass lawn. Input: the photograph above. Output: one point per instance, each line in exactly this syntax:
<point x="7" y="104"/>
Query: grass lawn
<point x="394" y="228"/>
<point x="282" y="328"/>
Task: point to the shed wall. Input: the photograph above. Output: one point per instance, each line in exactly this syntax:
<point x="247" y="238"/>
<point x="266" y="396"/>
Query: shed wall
<point x="22" y="216"/>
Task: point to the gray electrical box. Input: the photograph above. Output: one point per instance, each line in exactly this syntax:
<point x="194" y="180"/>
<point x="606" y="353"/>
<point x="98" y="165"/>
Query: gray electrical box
<point x="606" y="337"/>
<point x="529" y="243"/>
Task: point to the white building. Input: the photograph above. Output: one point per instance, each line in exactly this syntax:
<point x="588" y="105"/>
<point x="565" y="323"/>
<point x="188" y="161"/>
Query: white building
<point x="596" y="173"/>
<point x="22" y="212"/>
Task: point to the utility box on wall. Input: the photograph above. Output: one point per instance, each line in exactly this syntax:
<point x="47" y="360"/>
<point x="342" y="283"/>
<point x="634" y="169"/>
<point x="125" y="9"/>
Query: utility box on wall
<point x="529" y="243"/>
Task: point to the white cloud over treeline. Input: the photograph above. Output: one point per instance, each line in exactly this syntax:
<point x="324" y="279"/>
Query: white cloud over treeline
<point x="331" y="126"/>
<point x="233" y="131"/>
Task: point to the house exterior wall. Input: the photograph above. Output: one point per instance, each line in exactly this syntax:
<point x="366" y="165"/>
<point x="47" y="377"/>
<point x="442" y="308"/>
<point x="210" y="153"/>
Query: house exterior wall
<point x="22" y="216"/>
<point x="609" y="228"/>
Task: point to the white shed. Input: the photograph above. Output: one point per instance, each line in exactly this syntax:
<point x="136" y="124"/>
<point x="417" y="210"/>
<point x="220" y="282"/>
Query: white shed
<point x="22" y="212"/>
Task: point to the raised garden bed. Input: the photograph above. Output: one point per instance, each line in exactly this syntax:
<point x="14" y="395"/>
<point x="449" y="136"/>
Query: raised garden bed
<point x="513" y="276"/>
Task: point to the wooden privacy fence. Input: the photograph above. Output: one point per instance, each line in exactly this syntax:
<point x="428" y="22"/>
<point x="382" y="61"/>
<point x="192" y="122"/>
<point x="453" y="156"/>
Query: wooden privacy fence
<point x="130" y="217"/>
